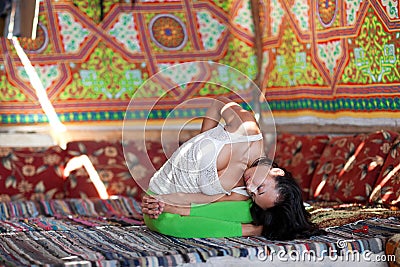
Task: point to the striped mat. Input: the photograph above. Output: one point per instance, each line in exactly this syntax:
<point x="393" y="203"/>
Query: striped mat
<point x="111" y="233"/>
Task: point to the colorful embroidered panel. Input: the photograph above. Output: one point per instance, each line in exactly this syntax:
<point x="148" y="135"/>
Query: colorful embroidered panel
<point x="325" y="61"/>
<point x="91" y="60"/>
<point x="332" y="60"/>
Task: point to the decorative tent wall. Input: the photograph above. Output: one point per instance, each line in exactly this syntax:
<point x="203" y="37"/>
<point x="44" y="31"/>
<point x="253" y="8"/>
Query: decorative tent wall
<point x="91" y="68"/>
<point x="332" y="61"/>
<point x="323" y="61"/>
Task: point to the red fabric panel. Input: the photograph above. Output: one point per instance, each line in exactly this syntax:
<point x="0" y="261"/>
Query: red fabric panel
<point x="109" y="161"/>
<point x="349" y="167"/>
<point x="387" y="186"/>
<point x="31" y="173"/>
<point x="300" y="155"/>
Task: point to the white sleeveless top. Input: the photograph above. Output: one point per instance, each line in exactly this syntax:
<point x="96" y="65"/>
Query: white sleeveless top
<point x="192" y="168"/>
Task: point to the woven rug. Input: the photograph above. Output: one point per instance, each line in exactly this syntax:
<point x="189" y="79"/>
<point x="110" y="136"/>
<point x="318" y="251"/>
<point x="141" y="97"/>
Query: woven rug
<point x="111" y="233"/>
<point x="113" y="245"/>
<point x="336" y="214"/>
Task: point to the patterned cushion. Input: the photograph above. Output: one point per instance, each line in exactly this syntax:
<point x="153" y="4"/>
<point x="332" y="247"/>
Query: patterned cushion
<point x="392" y="250"/>
<point x="349" y="167"/>
<point x="300" y="155"/>
<point x="387" y="186"/>
<point x="31" y="173"/>
<point x="109" y="161"/>
<point x="143" y="159"/>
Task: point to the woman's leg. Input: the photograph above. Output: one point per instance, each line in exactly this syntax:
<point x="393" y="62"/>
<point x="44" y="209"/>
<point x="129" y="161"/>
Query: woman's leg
<point x="220" y="219"/>
<point x="234" y="211"/>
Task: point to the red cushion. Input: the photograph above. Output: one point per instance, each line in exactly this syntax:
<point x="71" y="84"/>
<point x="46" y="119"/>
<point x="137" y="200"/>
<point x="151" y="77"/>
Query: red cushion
<point x="144" y="158"/>
<point x="109" y="161"/>
<point x="349" y="167"/>
<point x="300" y="155"/>
<point x="31" y="173"/>
<point x="387" y="186"/>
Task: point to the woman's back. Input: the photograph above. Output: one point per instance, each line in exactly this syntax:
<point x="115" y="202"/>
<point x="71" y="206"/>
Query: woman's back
<point x="210" y="163"/>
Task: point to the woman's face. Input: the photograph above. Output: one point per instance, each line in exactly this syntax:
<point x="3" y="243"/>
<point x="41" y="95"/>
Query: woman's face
<point x="261" y="184"/>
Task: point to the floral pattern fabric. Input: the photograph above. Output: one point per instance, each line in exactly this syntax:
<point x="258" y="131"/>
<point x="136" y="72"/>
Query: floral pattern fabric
<point x="387" y="186"/>
<point x="31" y="173"/>
<point x="109" y="161"/>
<point x="392" y="248"/>
<point x="349" y="167"/>
<point x="360" y="168"/>
<point x="300" y="154"/>
<point x="143" y="159"/>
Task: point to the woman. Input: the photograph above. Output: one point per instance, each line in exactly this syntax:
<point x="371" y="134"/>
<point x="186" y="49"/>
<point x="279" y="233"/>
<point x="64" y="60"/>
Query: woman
<point x="225" y="166"/>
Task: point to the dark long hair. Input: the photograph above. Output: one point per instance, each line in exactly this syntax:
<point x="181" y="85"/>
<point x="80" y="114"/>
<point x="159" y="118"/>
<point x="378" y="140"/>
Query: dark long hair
<point x="288" y="218"/>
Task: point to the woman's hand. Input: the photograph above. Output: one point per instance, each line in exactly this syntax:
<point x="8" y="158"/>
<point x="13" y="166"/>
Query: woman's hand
<point x="152" y="207"/>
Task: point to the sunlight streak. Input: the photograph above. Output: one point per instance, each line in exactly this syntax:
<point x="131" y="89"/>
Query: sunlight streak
<point x="57" y="127"/>
<point x="394" y="202"/>
<point x="35" y="20"/>
<point x="319" y="188"/>
<point x="12" y="19"/>
<point x="379" y="187"/>
<point x="84" y="161"/>
<point x="351" y="160"/>
<point x="347" y="166"/>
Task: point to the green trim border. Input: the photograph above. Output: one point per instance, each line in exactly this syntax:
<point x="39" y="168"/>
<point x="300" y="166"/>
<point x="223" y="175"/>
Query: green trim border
<point x="320" y="105"/>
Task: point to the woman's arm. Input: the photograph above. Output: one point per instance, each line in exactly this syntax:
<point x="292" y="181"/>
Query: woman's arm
<point x="184" y="211"/>
<point x="153" y="206"/>
<point x="251" y="229"/>
<point x="186" y="199"/>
